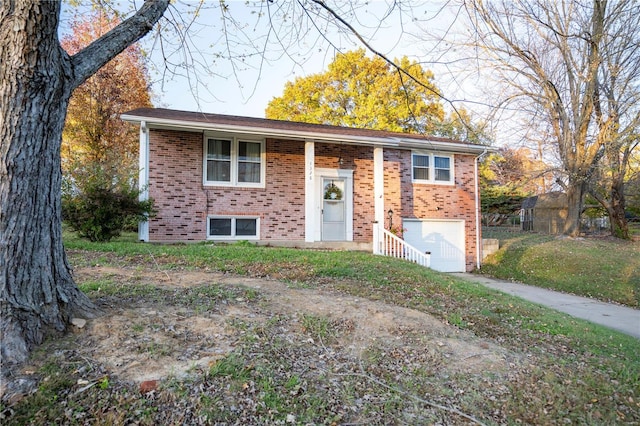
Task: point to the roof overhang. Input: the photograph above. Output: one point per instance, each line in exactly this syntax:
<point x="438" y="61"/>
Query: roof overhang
<point x="391" y="142"/>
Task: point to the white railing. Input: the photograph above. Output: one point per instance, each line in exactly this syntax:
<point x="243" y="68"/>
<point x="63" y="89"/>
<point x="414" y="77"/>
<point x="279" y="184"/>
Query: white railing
<point x="387" y="244"/>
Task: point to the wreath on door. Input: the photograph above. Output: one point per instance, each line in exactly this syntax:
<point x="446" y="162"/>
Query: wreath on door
<point x="332" y="192"/>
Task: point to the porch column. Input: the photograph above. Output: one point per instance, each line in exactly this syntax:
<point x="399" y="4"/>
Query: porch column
<point x="378" y="185"/>
<point x="309" y="188"/>
<point x="143" y="177"/>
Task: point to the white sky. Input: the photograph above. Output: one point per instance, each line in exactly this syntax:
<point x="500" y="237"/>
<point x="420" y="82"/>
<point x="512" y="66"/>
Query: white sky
<point x="219" y="90"/>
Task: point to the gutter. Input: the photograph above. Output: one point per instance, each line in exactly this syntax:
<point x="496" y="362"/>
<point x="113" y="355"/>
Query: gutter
<point x="391" y="142"/>
<point x="262" y="131"/>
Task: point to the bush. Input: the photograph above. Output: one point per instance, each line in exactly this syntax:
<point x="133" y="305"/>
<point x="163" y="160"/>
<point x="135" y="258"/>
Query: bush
<point x="99" y="206"/>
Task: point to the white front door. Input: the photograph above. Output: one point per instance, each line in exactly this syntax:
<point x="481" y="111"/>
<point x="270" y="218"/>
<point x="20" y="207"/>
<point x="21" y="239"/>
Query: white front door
<point x="333" y="210"/>
<point x="334" y="205"/>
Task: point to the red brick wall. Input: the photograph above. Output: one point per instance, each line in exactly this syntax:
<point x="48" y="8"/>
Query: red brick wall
<point x="175" y="183"/>
<point x="183" y="202"/>
<point x="432" y="201"/>
<point x="360" y="160"/>
<point x="280" y="205"/>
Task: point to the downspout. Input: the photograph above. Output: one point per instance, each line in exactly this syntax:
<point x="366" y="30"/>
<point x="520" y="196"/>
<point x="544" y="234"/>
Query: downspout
<point x="477" y="199"/>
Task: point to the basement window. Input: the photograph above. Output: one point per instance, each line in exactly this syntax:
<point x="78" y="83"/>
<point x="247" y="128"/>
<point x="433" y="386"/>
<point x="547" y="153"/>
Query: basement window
<point x="233" y="228"/>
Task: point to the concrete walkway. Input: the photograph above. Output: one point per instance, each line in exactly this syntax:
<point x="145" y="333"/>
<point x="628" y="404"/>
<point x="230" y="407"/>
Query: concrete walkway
<point x="620" y="318"/>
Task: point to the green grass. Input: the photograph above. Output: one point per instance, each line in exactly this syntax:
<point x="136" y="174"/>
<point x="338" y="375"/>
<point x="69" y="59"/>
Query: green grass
<point x="565" y="370"/>
<point x="605" y="269"/>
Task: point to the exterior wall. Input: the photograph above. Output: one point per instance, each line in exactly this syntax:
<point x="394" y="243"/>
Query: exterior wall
<point x="360" y="160"/>
<point x="432" y="201"/>
<point x="280" y="205"/>
<point x="175" y="184"/>
<point x="183" y="202"/>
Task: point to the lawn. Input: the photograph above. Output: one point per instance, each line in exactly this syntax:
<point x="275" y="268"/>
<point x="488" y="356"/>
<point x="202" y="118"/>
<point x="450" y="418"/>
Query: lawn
<point x="603" y="268"/>
<point x="291" y="358"/>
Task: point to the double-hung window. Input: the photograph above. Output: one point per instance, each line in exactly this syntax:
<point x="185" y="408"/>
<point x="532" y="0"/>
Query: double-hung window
<point x="234" y="162"/>
<point x="432" y="168"/>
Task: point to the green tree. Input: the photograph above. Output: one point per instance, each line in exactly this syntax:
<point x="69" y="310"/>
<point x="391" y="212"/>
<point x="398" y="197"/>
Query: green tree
<point x="100" y="204"/>
<point x="507" y="177"/>
<point x="365" y="92"/>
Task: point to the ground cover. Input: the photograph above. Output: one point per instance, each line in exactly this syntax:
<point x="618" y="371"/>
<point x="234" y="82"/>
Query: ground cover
<point x="604" y="268"/>
<point x="204" y="334"/>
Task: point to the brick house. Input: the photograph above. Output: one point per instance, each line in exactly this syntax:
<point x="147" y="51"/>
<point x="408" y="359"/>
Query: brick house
<point x="227" y="178"/>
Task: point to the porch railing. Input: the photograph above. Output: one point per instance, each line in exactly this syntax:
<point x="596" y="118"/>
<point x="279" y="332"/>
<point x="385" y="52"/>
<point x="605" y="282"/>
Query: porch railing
<point x="387" y="244"/>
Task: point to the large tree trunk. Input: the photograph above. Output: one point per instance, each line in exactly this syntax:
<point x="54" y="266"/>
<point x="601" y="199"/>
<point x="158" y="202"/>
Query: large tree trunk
<point x="37" y="293"/>
<point x="617" y="219"/>
<point x="575" y="193"/>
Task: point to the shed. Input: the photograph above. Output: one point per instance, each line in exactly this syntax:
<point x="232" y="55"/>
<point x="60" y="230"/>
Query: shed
<point x="545" y="213"/>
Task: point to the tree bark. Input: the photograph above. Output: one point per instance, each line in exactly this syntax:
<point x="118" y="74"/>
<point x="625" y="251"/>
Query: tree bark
<point x="616" y="210"/>
<point x="38" y="296"/>
<point x="575" y="193"/>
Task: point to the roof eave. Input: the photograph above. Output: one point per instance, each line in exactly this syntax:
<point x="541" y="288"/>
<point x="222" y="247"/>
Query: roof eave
<point x="394" y="142"/>
<point x="455" y="147"/>
<point x="255" y="130"/>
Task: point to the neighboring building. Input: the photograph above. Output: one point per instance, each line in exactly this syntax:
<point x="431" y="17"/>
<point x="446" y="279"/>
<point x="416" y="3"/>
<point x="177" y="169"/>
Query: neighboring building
<point x="545" y="213"/>
<point x="226" y="178"/>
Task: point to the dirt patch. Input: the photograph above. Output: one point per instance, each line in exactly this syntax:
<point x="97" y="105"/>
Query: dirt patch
<point x="151" y="341"/>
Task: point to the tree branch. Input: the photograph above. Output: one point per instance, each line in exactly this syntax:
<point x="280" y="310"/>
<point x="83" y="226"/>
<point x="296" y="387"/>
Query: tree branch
<point x="90" y="59"/>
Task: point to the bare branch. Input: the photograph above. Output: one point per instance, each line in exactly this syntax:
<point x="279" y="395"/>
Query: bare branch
<point x="86" y="62"/>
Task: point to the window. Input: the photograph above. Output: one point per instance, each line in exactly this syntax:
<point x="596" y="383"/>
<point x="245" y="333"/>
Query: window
<point x="420" y="167"/>
<point x="234" y="162"/>
<point x="218" y="160"/>
<point x="432" y="168"/>
<point x="442" y="167"/>
<point x="233" y="228"/>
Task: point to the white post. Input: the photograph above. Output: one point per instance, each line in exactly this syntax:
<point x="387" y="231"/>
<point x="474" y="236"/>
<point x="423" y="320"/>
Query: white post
<point x="143" y="177"/>
<point x="378" y="185"/>
<point x="376" y="238"/>
<point x="378" y="196"/>
<point x="309" y="192"/>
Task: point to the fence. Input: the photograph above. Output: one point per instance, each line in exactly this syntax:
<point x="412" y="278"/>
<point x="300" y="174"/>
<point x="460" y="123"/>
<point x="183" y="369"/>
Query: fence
<point x="547" y="225"/>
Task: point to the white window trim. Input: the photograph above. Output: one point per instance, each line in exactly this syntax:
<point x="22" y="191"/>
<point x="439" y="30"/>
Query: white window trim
<point x="235" y="139"/>
<point x="432" y="168"/>
<point x="233" y="237"/>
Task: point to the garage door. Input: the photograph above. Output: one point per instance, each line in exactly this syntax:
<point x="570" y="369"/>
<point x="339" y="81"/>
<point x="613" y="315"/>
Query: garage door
<point x="443" y="238"/>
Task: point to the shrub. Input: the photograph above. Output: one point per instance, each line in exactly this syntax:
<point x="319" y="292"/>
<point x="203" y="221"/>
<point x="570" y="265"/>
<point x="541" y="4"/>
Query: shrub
<point x="99" y="205"/>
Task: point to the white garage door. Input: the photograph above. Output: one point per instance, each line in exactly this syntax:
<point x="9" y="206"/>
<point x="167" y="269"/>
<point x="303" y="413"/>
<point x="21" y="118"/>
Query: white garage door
<point x="443" y="238"/>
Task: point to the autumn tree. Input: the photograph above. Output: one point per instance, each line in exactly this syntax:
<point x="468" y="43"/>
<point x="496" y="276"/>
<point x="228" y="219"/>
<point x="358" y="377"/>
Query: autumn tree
<point x="38" y="296"/>
<point x="508" y="176"/>
<point x="366" y="92"/>
<point x="572" y="67"/>
<point x="460" y="124"/>
<point x="37" y="77"/>
<point x="100" y="151"/>
<point x="93" y="132"/>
